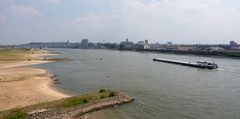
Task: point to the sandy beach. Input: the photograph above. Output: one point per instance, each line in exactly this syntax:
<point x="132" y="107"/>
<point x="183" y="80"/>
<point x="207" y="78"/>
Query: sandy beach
<point x="22" y="86"/>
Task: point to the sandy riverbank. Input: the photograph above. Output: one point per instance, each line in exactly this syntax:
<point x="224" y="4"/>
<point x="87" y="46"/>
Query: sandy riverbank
<point x="22" y="86"/>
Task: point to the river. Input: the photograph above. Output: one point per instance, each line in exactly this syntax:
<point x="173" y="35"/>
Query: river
<point x="161" y="90"/>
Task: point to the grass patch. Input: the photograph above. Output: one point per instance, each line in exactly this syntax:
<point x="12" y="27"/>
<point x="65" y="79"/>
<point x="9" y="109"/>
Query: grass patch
<point x="75" y="102"/>
<point x="23" y="54"/>
<point x="15" y="114"/>
<point x="20" y="113"/>
<point x="15" y="54"/>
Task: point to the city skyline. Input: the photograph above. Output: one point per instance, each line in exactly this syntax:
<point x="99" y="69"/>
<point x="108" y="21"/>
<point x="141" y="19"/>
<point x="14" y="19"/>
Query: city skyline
<point x="160" y="21"/>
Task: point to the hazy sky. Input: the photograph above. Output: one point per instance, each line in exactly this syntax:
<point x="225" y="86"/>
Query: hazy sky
<point x="179" y="21"/>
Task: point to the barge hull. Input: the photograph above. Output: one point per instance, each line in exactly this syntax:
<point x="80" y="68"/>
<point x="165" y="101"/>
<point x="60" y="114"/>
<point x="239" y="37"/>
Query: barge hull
<point x="183" y="63"/>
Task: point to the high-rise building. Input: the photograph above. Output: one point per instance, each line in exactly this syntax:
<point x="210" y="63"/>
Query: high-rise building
<point x="84" y="43"/>
<point x="126" y="45"/>
<point x="233" y="44"/>
<point x="146" y="42"/>
<point x="146" y="45"/>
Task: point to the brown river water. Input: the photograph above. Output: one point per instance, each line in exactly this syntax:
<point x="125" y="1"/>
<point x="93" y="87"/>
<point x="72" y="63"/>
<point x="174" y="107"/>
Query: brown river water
<point x="161" y="90"/>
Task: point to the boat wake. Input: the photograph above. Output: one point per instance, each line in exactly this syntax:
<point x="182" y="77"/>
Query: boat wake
<point x="229" y="70"/>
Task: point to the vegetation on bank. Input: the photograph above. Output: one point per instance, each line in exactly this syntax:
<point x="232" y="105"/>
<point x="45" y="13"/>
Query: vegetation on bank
<point x="22" y="113"/>
<point x="15" y="114"/>
<point x="17" y="54"/>
<point x="25" y="54"/>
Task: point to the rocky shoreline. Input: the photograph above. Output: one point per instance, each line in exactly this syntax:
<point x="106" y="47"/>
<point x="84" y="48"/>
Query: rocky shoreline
<point x="79" y="111"/>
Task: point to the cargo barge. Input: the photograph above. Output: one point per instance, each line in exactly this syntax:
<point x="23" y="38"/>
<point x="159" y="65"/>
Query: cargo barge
<point x="199" y="64"/>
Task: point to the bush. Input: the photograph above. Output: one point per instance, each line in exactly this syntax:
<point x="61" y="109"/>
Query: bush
<point x="111" y="94"/>
<point x="85" y="100"/>
<point x="102" y="90"/>
<point x="103" y="96"/>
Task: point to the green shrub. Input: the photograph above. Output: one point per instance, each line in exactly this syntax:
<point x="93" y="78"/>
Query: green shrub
<point x="73" y="102"/>
<point x="111" y="94"/>
<point x="102" y="90"/>
<point x="85" y="100"/>
<point x="102" y="96"/>
<point x="16" y="114"/>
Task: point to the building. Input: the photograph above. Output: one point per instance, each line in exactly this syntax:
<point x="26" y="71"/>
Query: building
<point x="139" y="45"/>
<point x="146" y="42"/>
<point x="234" y="46"/>
<point x="146" y="45"/>
<point x="84" y="43"/>
<point x="169" y="43"/>
<point x="141" y="42"/>
<point x="155" y="46"/>
<point x="91" y="46"/>
<point x="186" y="47"/>
<point x="216" y="48"/>
<point x="126" y="45"/>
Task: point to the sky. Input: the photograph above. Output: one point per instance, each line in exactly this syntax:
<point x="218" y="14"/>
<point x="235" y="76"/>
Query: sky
<point x="159" y="21"/>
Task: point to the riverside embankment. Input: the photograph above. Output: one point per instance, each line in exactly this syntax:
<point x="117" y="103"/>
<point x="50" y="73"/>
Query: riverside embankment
<point x="69" y="108"/>
<point x="79" y="111"/>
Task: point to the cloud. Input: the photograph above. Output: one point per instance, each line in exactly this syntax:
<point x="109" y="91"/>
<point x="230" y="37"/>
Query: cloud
<point x="7" y="1"/>
<point x="178" y="11"/>
<point x="94" y="21"/>
<point x="95" y="26"/>
<point x="52" y="1"/>
<point x="3" y="19"/>
<point x="180" y="21"/>
<point x="25" y="10"/>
